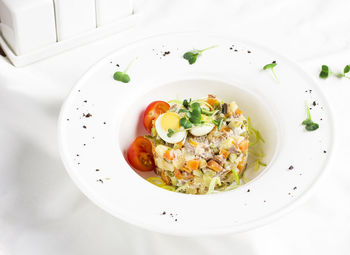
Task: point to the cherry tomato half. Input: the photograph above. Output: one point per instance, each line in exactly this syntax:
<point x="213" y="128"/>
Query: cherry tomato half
<point x="140" y="154"/>
<point x="152" y="112"/>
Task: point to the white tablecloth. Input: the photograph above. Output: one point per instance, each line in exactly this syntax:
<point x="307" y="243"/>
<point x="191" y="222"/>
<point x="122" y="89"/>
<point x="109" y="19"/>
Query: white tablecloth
<point x="41" y="210"/>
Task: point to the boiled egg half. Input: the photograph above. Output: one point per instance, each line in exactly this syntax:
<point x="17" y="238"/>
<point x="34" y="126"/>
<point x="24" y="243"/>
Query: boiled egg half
<point x="166" y="121"/>
<point x="202" y="129"/>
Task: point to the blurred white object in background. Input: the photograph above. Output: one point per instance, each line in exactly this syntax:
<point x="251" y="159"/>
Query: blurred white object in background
<point x="109" y="11"/>
<point x="27" y="25"/>
<point x="36" y="29"/>
<point x="74" y="17"/>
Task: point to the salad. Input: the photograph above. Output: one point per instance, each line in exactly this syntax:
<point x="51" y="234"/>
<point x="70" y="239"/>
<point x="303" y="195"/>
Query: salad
<point x="194" y="146"/>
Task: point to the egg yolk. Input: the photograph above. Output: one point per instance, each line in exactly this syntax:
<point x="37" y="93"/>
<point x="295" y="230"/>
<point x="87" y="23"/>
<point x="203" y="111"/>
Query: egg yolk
<point x="170" y="120"/>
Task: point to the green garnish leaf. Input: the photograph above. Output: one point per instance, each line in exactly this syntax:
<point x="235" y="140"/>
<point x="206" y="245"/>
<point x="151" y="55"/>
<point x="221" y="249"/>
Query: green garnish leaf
<point x="121" y="76"/>
<point x="324" y="72"/>
<point x="196" y="116"/>
<point x="347" y="69"/>
<point x="185" y="123"/>
<point x="196" y="106"/>
<point x="191" y="56"/>
<point x="186" y="103"/>
<point x="271" y="67"/>
<point x="170" y="132"/>
<point x="308" y="123"/>
<point x="218" y="123"/>
<point x="183" y="110"/>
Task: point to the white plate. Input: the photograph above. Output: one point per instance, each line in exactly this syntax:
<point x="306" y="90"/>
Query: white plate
<point x="277" y="109"/>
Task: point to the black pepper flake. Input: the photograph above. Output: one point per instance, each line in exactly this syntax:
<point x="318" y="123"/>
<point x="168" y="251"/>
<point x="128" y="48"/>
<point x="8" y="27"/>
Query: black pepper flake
<point x="77" y="108"/>
<point x="88" y="115"/>
<point x="67" y="119"/>
<point x="231" y="48"/>
<point x="314" y="103"/>
<point x="110" y="62"/>
<point x="100" y="180"/>
<point x="93" y="137"/>
<point x="84" y="144"/>
<point x="78" y="163"/>
<point x="236" y="50"/>
<point x="117" y="65"/>
<point x="85" y="101"/>
<point x="264" y="201"/>
<point x="97" y="169"/>
<point x="291" y="168"/>
<point x="77" y="155"/>
<point x="163" y="213"/>
<point x="324" y="151"/>
<point x="274" y="62"/>
<point x="175" y="219"/>
<point x="104" y="123"/>
<point x="78" y="90"/>
<point x="84" y="126"/>
<point x="249" y="51"/>
<point x="321" y="119"/>
<point x="248" y="190"/>
<point x="289" y="193"/>
<point x="166" y="53"/>
<point x="295" y="188"/>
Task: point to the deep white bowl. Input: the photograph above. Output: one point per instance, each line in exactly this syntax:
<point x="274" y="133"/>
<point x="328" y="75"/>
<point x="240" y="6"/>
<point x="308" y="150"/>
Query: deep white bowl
<point x="93" y="149"/>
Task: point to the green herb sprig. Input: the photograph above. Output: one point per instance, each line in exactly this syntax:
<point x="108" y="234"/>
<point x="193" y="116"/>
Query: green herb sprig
<point x="308" y="123"/>
<point x="191" y="56"/>
<point x="123" y="76"/>
<point x="170" y="132"/>
<point x="325" y="72"/>
<point x="271" y="67"/>
<point x="218" y="123"/>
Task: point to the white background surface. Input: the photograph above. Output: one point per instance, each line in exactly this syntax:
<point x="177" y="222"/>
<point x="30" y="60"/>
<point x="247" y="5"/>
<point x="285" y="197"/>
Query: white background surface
<point x="42" y="212"/>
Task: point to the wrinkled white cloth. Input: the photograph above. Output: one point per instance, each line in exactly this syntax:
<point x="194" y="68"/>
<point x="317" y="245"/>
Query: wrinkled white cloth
<point x="41" y="210"/>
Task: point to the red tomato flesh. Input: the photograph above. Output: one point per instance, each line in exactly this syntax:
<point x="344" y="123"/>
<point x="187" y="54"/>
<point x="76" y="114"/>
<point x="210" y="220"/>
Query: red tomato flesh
<point x="152" y="112"/>
<point x="140" y="154"/>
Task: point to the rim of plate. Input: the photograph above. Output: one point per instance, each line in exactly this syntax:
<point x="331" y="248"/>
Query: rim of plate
<point x="212" y="231"/>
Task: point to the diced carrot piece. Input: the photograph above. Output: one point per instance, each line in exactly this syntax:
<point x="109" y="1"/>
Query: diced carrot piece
<point x="212" y="101"/>
<point x="214" y="165"/>
<point x="179" y="145"/>
<point x="178" y="174"/>
<point x="193" y="164"/>
<point x="238" y="112"/>
<point x="241" y="166"/>
<point x="226" y="129"/>
<point x="169" y="154"/>
<point x="194" y="143"/>
<point x="243" y="146"/>
<point x="186" y="169"/>
<point x="224" y="153"/>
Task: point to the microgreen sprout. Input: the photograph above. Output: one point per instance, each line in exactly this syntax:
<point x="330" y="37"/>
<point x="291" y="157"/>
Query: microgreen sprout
<point x="271" y="67"/>
<point x="123" y="76"/>
<point x="218" y="123"/>
<point x="325" y="72"/>
<point x="191" y="56"/>
<point x="186" y="103"/>
<point x="309" y="124"/>
<point x="185" y="123"/>
<point x="170" y="132"/>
